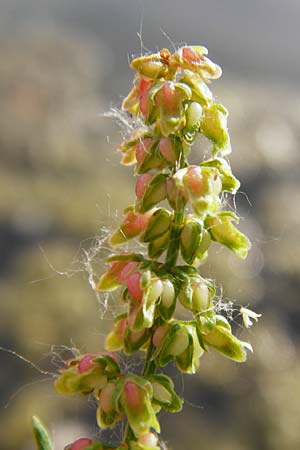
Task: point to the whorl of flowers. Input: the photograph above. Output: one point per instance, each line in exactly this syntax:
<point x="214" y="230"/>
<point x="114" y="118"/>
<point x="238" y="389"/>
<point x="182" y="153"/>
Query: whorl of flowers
<point x="177" y="214"/>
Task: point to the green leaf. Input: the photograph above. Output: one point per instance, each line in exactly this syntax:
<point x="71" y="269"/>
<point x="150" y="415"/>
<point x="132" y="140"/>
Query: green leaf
<point x="41" y="435"/>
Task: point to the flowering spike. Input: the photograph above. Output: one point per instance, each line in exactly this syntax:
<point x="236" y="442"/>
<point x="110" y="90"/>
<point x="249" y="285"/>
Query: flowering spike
<point x="176" y="215"/>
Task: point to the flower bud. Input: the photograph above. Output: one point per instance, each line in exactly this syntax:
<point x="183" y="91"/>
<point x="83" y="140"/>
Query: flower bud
<point x="167" y="149"/>
<point x="115" y="339"/>
<point x="136" y="402"/>
<point x="134" y="340"/>
<point x="127" y="270"/>
<point x="164" y="394"/>
<point x="190" y="239"/>
<point x="147" y="156"/>
<point x="133" y="101"/>
<point x="158" y="225"/>
<point x="159" y="335"/>
<point x="179" y="343"/>
<point x="107" y="416"/>
<point x="201" y="299"/>
<point x="109" y="281"/>
<point x="203" y="186"/>
<point x="168" y="294"/>
<point x="203" y="245"/>
<point x="134" y="286"/>
<point x="175" y="193"/>
<point x="142" y="184"/>
<point x="154" y="193"/>
<point x="132" y="226"/>
<point x="193" y="117"/>
<point x="193" y="58"/>
<point x="157" y="247"/>
<point x="151" y="66"/>
<point x="169" y="99"/>
<point x="86" y="363"/>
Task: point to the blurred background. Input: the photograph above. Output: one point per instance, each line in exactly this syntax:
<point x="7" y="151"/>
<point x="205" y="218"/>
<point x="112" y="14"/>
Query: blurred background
<point x="63" y="64"/>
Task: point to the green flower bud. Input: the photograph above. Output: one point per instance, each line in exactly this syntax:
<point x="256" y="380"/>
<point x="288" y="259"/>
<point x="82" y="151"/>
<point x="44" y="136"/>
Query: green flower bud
<point x="190" y="238"/>
<point x="169" y="98"/>
<point x="86" y="374"/>
<point x="204" y="244"/>
<point x="203" y="186"/>
<point x="157" y="247"/>
<point x="214" y="127"/>
<point x="176" y="194"/>
<point x="164" y="394"/>
<point x="137" y="98"/>
<point x="193" y="117"/>
<point x="136" y="403"/>
<point x="152" y="66"/>
<point x="168" y="294"/>
<point x="148" y="156"/>
<point x="223" y="231"/>
<point x="158" y="225"/>
<point x="107" y="416"/>
<point x="135" y="340"/>
<point x="115" y="339"/>
<point x="155" y="192"/>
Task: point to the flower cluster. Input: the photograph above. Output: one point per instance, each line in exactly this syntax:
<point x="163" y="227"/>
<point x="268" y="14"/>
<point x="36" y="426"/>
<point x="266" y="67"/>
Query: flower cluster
<point x="177" y="215"/>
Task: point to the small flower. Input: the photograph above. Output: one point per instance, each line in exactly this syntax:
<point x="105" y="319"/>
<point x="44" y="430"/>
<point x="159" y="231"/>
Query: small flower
<point x="247" y="315"/>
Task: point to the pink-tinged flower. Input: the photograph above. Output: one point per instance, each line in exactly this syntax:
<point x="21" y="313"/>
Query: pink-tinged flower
<point x="134" y="224"/>
<point x="143" y="89"/>
<point x="128" y="270"/>
<point x="134" y="286"/>
<point x="194" y="180"/>
<point x="167" y="149"/>
<point x="106" y="397"/>
<point x="133" y="395"/>
<point x="142" y="149"/>
<point x="191" y="56"/>
<point x="81" y="444"/>
<point x="110" y="279"/>
<point x="142" y="183"/>
<point x="168" y="97"/>
<point x="86" y="363"/>
<point x="159" y="335"/>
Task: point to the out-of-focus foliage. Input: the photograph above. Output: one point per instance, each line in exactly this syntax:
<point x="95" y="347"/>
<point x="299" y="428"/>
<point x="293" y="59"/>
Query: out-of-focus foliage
<point x="61" y="186"/>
